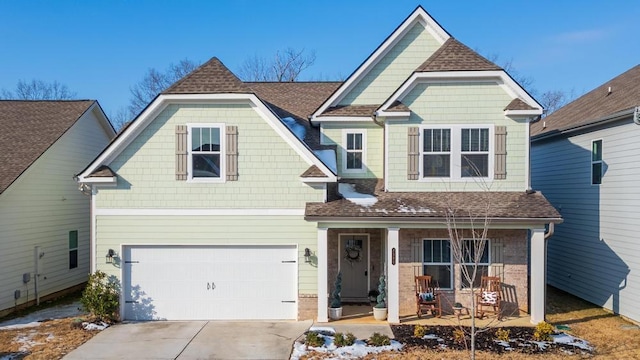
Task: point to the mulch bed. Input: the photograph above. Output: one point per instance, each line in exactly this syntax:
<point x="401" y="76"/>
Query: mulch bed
<point x="520" y="340"/>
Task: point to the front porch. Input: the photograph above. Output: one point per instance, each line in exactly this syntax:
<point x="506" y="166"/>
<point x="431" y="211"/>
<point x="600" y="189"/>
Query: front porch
<point x="363" y="314"/>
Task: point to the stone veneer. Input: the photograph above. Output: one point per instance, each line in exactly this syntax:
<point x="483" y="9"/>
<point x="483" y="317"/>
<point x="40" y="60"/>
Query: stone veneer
<point x="307" y="307"/>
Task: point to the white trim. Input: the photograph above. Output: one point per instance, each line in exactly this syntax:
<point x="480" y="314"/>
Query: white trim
<point x="368" y="267"/>
<point x="456" y="153"/>
<point x="100" y="180"/>
<point x="222" y="152"/>
<point x="393" y="275"/>
<point x="93" y="259"/>
<point x="345" y="151"/>
<point x="163" y="100"/>
<point x="527" y="157"/>
<point x="418" y="16"/>
<point x="340" y="119"/>
<point x="323" y="277"/>
<point x="314" y="180"/>
<point x="523" y="112"/>
<point x="198" y="212"/>
<point x="394" y="114"/>
<point x="450" y="264"/>
<point x="537" y="276"/>
<point x="386" y="156"/>
<point x="500" y="77"/>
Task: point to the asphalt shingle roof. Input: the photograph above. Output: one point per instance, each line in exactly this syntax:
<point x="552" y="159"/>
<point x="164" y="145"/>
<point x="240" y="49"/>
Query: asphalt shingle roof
<point x="211" y="77"/>
<point x="501" y="205"/>
<point x="595" y="105"/>
<point x="518" y="104"/>
<point x="455" y="56"/>
<point x="29" y="128"/>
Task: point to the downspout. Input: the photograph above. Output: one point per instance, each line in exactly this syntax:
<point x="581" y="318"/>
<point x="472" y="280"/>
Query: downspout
<point x="547" y="235"/>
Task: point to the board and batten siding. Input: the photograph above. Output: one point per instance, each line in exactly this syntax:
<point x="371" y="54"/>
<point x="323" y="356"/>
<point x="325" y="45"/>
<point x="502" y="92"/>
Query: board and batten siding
<point x="394" y="68"/>
<point x="268" y="168"/>
<point x="457" y="103"/>
<point x="40" y="208"/>
<point x="595" y="252"/>
<point x="332" y="134"/>
<point x="114" y="231"/>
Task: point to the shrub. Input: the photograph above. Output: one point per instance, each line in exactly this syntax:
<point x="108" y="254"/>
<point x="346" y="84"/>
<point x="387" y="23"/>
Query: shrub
<point x="382" y="293"/>
<point x="378" y="339"/>
<point x="314" y="339"/>
<point x="336" y="300"/>
<point x="101" y="297"/>
<point x="458" y="336"/>
<point x="543" y="331"/>
<point x="503" y="334"/>
<point x="341" y="339"/>
<point x="419" y="331"/>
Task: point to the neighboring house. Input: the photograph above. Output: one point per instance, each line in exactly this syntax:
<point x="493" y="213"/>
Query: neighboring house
<point x="44" y="219"/>
<point x="585" y="158"/>
<point x="206" y="205"/>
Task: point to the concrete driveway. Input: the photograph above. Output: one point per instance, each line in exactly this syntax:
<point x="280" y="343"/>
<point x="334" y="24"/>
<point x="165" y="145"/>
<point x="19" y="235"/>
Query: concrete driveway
<point x="193" y="340"/>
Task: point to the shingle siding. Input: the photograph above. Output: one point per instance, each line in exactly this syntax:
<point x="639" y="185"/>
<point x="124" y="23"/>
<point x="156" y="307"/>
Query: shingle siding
<point x="594" y="253"/>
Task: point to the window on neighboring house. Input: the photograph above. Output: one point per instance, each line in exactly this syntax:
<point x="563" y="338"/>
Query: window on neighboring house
<point x="596" y="162"/>
<point x="437" y="262"/>
<point x="354" y="151"/>
<point x="205" y="151"/>
<point x="436" y="158"/>
<point x="474" y="150"/>
<point x="73" y="249"/>
<point x="469" y="250"/>
<point x="456" y="152"/>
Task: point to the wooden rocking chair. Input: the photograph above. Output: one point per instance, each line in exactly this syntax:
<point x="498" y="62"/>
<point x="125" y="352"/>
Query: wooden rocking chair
<point x="489" y="297"/>
<point x="427" y="297"/>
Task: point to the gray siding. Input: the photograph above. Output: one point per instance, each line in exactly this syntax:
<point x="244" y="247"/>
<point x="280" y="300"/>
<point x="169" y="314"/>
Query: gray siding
<point x="595" y="253"/>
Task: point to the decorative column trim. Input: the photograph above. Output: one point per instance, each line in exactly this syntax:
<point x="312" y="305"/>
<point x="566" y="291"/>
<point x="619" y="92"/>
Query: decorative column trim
<point x="538" y="270"/>
<point x="393" y="275"/>
<point x="323" y="291"/>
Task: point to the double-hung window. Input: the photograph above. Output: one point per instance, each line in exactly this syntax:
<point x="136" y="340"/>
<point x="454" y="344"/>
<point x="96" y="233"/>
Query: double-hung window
<point x="596" y="162"/>
<point x="456" y="152"/>
<point x="354" y="155"/>
<point x="474" y="253"/>
<point x="206" y="157"/>
<point x="437" y="261"/>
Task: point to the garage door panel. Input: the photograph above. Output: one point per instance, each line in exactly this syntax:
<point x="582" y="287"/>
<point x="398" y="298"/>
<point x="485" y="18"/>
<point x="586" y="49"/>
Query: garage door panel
<point x="210" y="282"/>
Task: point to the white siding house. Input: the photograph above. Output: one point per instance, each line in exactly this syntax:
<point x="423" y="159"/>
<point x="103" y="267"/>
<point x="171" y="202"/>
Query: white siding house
<point x="584" y="158"/>
<point x="44" y="219"/>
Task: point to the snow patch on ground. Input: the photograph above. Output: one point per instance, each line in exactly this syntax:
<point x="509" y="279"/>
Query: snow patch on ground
<point x="91" y="326"/>
<point x="356" y="351"/>
<point x="299" y="130"/>
<point x="567" y="339"/>
<point x="35" y="318"/>
<point x="348" y="191"/>
<point x="328" y="157"/>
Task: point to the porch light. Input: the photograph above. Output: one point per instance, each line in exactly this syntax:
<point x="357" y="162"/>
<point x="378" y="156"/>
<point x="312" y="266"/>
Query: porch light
<point x="307" y="255"/>
<point x="110" y="255"/>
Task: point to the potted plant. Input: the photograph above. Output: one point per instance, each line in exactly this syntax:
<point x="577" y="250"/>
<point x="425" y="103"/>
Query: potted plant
<point x="335" y="309"/>
<point x="380" y="310"/>
<point x="373" y="296"/>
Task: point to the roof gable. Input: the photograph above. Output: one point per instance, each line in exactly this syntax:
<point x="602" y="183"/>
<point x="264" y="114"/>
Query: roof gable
<point x="29" y="128"/>
<point x="455" y="56"/>
<point x="614" y="96"/>
<point x="418" y="16"/>
<point x="211" y="77"/>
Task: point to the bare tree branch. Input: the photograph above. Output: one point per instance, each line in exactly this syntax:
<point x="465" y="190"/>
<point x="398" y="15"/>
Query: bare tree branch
<point x="38" y="90"/>
<point x="287" y="65"/>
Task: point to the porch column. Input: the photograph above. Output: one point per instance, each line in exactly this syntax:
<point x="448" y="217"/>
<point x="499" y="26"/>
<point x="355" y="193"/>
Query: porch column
<point x="393" y="278"/>
<point x="538" y="270"/>
<point x="323" y="292"/>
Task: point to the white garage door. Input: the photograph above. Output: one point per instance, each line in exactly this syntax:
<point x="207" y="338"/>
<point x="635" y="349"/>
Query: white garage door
<point x="210" y="282"/>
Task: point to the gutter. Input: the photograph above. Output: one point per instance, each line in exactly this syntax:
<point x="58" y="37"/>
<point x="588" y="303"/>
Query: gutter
<point x="621" y="115"/>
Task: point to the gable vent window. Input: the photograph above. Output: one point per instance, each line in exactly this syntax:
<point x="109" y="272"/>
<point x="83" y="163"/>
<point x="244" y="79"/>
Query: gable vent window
<point x="596" y="162"/>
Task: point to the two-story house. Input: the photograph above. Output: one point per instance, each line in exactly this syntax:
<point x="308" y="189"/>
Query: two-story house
<point x="233" y="200"/>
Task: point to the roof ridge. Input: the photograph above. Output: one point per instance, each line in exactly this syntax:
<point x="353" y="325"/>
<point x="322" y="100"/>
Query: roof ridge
<point x="453" y="55"/>
<point x="211" y="77"/>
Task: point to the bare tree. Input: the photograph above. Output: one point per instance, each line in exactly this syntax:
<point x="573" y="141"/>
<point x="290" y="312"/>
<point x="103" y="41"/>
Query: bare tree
<point x="154" y="82"/>
<point x="507" y="65"/>
<point x="38" y="90"/>
<point x="285" y="66"/>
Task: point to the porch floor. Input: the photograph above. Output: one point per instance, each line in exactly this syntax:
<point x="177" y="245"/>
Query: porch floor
<point x="363" y="314"/>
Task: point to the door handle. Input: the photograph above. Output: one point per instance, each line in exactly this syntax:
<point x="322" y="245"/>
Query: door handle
<point x="365" y="273"/>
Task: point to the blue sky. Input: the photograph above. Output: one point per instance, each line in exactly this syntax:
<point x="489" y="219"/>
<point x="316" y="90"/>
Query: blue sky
<point x="99" y="49"/>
